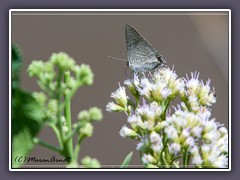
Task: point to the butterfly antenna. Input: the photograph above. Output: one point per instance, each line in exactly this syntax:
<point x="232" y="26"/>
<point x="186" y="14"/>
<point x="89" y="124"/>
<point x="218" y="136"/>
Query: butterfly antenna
<point x="119" y="59"/>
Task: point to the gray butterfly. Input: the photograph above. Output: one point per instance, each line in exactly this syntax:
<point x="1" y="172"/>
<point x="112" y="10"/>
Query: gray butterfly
<point x="142" y="56"/>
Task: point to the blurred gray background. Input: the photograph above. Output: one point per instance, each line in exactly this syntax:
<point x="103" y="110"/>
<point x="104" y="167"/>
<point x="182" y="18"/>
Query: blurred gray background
<point x="191" y="41"/>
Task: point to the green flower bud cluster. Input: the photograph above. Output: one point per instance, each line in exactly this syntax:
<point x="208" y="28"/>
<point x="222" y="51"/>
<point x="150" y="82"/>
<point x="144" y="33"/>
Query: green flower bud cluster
<point x="93" y="114"/>
<point x="89" y="162"/>
<point x="59" y="78"/>
<point x="86" y="117"/>
<point x="60" y="73"/>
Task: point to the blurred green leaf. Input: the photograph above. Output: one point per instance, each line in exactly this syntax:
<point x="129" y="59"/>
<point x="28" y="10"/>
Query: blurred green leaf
<point x="16" y="65"/>
<point x="27" y="114"/>
<point x="127" y="160"/>
<point x="27" y="119"/>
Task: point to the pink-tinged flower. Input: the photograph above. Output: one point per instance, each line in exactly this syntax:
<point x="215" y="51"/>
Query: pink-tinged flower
<point x="175" y="148"/>
<point x="147" y="159"/>
<point x="156" y="142"/>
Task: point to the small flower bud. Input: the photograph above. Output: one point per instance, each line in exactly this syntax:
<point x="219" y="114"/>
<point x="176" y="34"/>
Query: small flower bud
<point x="89" y="162"/>
<point x="65" y="128"/>
<point x="52" y="107"/>
<point x="83" y="115"/>
<point x="70" y="81"/>
<point x="95" y="114"/>
<point x="40" y="97"/>
<point x="85" y="75"/>
<point x="63" y="120"/>
<point x="36" y="68"/>
<point x="62" y="61"/>
<point x="86" y="130"/>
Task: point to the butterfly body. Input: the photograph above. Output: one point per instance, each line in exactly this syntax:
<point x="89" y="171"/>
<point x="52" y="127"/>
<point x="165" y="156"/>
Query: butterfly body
<point x="142" y="56"/>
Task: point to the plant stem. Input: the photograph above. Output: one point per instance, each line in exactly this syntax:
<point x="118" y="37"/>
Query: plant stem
<point x="185" y="158"/>
<point x="165" y="162"/>
<point x="64" y="145"/>
<point x="177" y="166"/>
<point x="79" y="84"/>
<point x="163" y="116"/>
<point x="188" y="158"/>
<point x="74" y="131"/>
<point x="67" y="112"/>
<point x="137" y="102"/>
<point x="56" y="131"/>
<point x="165" y="140"/>
<point x="46" y="145"/>
<point x="59" y="125"/>
<point x="77" y="149"/>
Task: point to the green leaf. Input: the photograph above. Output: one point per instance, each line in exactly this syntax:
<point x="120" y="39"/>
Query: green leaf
<point x="27" y="117"/>
<point x="127" y="160"/>
<point x="27" y="114"/>
<point x="16" y="65"/>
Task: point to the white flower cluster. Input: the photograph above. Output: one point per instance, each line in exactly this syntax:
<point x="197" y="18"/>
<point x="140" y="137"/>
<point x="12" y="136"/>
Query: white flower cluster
<point x="164" y="137"/>
<point x="197" y="93"/>
<point x="200" y="135"/>
<point x="164" y="84"/>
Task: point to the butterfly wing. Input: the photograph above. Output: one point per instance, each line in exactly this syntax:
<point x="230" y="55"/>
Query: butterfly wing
<point x="142" y="56"/>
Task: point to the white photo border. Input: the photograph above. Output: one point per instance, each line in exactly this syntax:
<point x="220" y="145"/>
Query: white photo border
<point x="11" y="11"/>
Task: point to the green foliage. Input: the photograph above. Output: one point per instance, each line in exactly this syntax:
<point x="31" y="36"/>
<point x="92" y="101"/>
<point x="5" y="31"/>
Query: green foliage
<point x="127" y="160"/>
<point x="26" y="114"/>
<point x="16" y="65"/>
